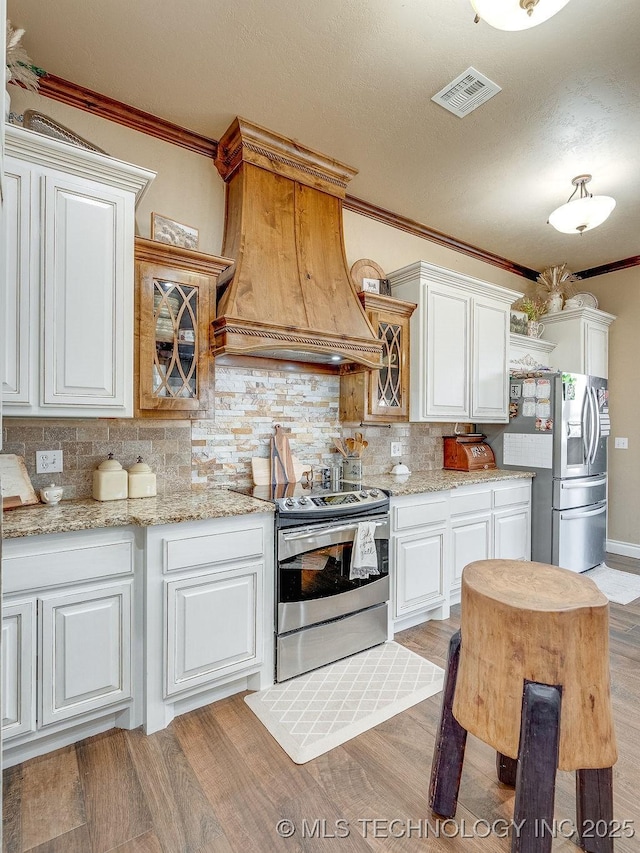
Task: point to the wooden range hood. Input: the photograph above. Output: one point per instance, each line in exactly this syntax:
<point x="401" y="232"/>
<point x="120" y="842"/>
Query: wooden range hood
<point x="289" y="294"/>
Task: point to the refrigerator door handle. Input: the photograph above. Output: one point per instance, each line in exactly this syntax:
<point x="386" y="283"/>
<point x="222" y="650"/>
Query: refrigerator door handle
<point x="571" y="513"/>
<point x="581" y="485"/>
<point x="586" y="433"/>
<point x="597" y="432"/>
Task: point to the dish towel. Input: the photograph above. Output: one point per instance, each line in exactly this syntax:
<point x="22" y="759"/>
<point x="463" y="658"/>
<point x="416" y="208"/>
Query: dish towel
<point x="364" y="556"/>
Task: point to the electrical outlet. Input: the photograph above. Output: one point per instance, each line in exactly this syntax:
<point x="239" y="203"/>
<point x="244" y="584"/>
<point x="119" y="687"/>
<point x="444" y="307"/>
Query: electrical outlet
<point x="396" y="448"/>
<point x="48" y="461"/>
<point x="622" y="443"/>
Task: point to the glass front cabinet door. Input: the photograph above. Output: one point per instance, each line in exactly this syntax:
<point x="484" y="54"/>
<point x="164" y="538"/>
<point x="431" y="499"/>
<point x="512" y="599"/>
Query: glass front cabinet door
<point x="175" y="304"/>
<point x="381" y="396"/>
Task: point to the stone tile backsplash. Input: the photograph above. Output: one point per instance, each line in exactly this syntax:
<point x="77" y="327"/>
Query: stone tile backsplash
<point x="217" y="452"/>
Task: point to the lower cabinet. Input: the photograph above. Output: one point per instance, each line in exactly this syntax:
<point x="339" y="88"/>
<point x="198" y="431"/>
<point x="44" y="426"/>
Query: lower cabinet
<point x="214" y="626"/>
<point x="209" y="631"/>
<point x="435" y="535"/>
<point x="67" y="624"/>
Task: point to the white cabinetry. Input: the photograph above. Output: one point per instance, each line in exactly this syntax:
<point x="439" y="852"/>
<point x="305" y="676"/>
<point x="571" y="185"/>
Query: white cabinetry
<point x="68" y="645"/>
<point x="69" y="297"/>
<point x="526" y="353"/>
<point x="459" y="344"/>
<point x="209" y="612"/>
<point x="435" y="535"/>
<point x="582" y="340"/>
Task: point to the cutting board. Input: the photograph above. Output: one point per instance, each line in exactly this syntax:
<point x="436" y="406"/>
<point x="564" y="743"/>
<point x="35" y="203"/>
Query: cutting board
<point x="281" y="462"/>
<point x="261" y="470"/>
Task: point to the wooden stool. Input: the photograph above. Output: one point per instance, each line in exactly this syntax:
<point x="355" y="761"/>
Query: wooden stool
<point x="533" y="639"/>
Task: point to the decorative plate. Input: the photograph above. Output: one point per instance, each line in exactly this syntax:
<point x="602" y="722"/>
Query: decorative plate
<point x="41" y="123"/>
<point x="588" y="300"/>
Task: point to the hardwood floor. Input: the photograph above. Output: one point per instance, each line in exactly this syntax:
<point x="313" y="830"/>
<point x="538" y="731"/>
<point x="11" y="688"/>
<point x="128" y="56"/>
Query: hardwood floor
<point x="215" y="781"/>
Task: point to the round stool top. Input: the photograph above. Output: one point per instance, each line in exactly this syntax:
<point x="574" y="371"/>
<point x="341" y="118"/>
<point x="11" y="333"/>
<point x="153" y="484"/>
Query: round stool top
<point x="532" y="586"/>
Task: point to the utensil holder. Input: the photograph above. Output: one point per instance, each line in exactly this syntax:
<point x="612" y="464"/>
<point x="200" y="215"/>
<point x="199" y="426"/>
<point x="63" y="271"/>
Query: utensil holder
<point x="352" y="469"/>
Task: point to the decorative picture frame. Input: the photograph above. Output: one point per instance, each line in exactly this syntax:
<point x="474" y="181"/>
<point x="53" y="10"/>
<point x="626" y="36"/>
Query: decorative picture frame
<point x="166" y="230"/>
<point x="518" y="322"/>
<point x="371" y="285"/>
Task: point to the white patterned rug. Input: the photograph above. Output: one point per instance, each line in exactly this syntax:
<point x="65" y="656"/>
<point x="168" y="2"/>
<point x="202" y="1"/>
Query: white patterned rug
<point x="315" y="712"/>
<point x="621" y="587"/>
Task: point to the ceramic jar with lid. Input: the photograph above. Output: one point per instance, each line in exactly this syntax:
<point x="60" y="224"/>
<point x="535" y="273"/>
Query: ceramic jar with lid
<point x="51" y="494"/>
<point x="142" y="480"/>
<point x="110" y="481"/>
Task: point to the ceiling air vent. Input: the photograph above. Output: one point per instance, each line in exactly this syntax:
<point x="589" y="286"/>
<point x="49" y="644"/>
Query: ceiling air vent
<point x="466" y="93"/>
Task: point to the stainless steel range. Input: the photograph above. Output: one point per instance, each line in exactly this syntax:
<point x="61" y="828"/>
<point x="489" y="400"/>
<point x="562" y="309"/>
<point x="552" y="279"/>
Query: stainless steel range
<point x="323" y="613"/>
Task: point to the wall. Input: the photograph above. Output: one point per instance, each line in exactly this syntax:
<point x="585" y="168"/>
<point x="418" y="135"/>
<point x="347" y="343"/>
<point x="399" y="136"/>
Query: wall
<point x="248" y="403"/>
<point x="619" y="293"/>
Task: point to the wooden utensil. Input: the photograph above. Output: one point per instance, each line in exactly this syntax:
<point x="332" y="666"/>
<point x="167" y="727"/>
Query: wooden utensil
<point x="282" y="470"/>
<point x="351" y="443"/>
<point x="339" y="443"/>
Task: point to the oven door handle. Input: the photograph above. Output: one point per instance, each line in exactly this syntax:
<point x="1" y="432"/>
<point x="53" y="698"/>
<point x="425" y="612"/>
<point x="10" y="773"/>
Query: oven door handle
<point x="314" y="533"/>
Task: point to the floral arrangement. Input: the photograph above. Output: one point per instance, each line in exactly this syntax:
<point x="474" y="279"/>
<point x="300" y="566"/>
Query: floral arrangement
<point x="557" y="279"/>
<point x="533" y="308"/>
<point x="20" y="69"/>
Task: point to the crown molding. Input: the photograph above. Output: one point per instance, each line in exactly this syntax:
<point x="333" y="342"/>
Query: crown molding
<point x="364" y="208"/>
<point x="93" y="102"/>
<point x="614" y="266"/>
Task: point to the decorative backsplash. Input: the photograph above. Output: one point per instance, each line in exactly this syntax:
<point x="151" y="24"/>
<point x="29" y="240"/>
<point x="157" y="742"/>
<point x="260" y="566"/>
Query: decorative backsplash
<point x="217" y="452"/>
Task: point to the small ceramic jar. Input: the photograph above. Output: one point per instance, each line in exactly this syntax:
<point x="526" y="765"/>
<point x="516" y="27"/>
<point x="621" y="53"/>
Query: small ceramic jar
<point x="51" y="494"/>
<point x="110" y="481"/>
<point x="142" y="480"/>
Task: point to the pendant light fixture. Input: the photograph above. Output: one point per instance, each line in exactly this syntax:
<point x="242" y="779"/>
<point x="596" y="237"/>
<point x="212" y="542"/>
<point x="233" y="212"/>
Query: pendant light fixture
<point x="516" y="14"/>
<point x="582" y="213"/>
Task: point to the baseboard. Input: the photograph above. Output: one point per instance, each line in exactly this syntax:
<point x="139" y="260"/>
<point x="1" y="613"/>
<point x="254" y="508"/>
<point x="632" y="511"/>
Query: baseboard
<point x="624" y="549"/>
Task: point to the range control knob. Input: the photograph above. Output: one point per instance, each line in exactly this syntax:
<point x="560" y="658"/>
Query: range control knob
<point x="304" y="500"/>
<point x="374" y="493"/>
<point x="289" y="502"/>
<point x="364" y="494"/>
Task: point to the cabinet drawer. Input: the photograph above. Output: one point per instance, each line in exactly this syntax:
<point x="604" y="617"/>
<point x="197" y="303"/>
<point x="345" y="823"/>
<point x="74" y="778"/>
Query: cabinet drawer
<point x="512" y="495"/>
<point x="213" y="548"/>
<point x="462" y="501"/>
<point x="44" y="568"/>
<point x="420" y="513"/>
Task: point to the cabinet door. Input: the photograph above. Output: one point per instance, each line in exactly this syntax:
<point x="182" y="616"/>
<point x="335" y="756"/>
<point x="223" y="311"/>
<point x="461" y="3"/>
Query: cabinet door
<point x="470" y="541"/>
<point x="19" y="315"/>
<point x="596" y="344"/>
<point x="388" y="388"/>
<point x="85" y="651"/>
<point x="490" y="362"/>
<point x="448" y="347"/>
<point x="87" y="281"/>
<point x="419" y="571"/>
<point x="213" y="626"/>
<point x="512" y="534"/>
<point x="18" y="669"/>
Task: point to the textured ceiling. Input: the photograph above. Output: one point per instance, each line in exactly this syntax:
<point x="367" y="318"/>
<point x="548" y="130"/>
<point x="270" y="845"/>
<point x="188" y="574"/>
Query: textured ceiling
<point x="354" y="78"/>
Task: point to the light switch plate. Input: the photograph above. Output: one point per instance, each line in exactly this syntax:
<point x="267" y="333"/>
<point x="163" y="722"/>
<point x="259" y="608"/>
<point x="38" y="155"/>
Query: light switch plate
<point x="621" y="443"/>
<point x="48" y="461"/>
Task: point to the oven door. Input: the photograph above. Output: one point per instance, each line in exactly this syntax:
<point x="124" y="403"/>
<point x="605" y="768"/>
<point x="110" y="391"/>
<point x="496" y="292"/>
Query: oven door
<point x="313" y="573"/>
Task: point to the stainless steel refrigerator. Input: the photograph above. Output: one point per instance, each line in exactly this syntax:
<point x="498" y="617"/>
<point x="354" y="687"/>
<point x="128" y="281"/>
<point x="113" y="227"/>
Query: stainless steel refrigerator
<point x="558" y="428"/>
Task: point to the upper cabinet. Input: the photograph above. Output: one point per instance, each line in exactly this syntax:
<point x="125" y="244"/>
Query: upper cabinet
<point x="175" y="305"/>
<point x="68" y="313"/>
<point x="459" y="344"/>
<point x="581" y="336"/>
<point x="381" y="396"/>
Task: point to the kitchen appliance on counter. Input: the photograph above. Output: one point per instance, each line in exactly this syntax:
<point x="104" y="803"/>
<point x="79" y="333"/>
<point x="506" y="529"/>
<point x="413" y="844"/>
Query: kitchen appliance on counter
<point x="322" y="613"/>
<point x="558" y="428"/>
<point x="468" y="452"/>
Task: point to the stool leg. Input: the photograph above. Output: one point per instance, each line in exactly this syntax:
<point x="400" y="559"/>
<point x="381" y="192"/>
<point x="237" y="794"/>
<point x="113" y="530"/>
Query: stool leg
<point x="594" y="809"/>
<point x="506" y="769"/>
<point x="537" y="765"/>
<point x="448" y="755"/>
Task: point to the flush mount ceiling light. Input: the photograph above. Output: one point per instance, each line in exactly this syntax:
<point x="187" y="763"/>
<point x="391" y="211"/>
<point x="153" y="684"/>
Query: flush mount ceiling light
<point x="516" y="14"/>
<point x="582" y="213"/>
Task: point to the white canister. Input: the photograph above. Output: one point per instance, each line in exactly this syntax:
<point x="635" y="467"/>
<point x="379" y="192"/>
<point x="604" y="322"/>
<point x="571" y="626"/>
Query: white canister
<point x="142" y="480"/>
<point x="110" y="481"/>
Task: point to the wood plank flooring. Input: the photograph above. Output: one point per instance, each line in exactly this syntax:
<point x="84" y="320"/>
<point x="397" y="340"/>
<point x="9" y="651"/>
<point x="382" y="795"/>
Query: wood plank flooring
<point x="215" y="781"/>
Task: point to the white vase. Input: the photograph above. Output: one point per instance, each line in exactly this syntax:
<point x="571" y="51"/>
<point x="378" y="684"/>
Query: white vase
<point x="554" y="303"/>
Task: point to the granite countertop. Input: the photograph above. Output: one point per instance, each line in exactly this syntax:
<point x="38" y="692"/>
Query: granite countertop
<point x="213" y="503"/>
<point x="440" y="481"/>
<point x="86" y="513"/>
